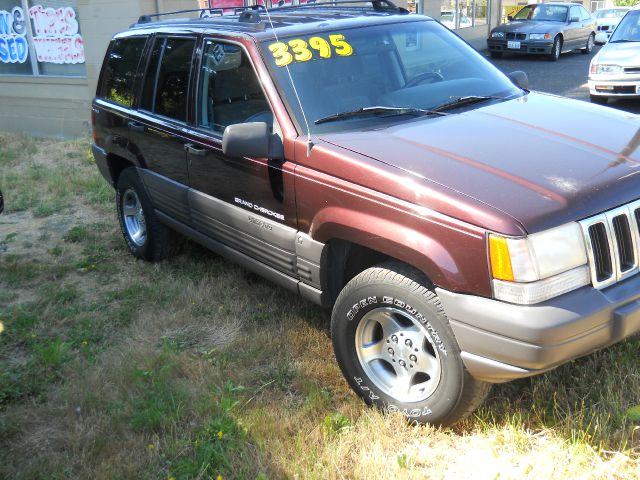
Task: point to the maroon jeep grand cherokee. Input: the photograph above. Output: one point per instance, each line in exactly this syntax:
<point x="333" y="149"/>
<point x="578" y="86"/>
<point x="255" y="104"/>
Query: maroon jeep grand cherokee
<point x="464" y="230"/>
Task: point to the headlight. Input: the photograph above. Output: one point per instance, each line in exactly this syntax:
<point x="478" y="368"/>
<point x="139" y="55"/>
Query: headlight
<point x="538" y="267"/>
<point x="540" y="36"/>
<point x="497" y="34"/>
<point x="605" y="69"/>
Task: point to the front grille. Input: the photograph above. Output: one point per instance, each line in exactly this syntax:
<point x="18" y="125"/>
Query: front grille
<point x="516" y="36"/>
<point x="631" y="69"/>
<point x="604" y="28"/>
<point x="613" y="242"/>
<point x="616" y="89"/>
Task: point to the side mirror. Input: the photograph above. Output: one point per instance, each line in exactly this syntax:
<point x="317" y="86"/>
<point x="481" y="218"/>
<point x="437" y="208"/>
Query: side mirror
<point x="519" y="79"/>
<point x="574" y="19"/>
<point x="252" y="139"/>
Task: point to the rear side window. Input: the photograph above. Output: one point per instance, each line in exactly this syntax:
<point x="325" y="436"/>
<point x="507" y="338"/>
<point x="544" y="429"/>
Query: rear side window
<point x="166" y="83"/>
<point x="120" y="70"/>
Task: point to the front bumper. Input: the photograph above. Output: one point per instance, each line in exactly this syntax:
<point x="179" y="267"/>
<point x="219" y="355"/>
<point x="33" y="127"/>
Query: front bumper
<point x="624" y="85"/>
<point x="502" y="342"/>
<point x="533" y="47"/>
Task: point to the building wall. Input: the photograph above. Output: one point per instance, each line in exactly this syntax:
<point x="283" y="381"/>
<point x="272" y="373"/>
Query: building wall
<point x="60" y="106"/>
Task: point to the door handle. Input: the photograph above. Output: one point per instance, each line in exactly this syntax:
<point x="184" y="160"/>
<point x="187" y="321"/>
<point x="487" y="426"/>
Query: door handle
<point x="190" y="149"/>
<point x="135" y="126"/>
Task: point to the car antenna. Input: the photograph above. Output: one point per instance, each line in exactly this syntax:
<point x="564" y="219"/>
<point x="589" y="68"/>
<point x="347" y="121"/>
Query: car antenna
<point x="295" y="90"/>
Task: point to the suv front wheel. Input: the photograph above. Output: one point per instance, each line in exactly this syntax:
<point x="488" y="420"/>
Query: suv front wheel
<point x="396" y="349"/>
<point x="146" y="237"/>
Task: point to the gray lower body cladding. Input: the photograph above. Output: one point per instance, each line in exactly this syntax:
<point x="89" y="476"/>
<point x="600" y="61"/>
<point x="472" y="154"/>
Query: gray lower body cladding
<point x="278" y="252"/>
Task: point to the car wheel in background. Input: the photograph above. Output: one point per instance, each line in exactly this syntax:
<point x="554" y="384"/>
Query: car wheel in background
<point x="496" y="54"/>
<point x="395" y="347"/>
<point x="146" y="237"/>
<point x="599" y="99"/>
<point x="556" y="49"/>
<point x="590" y="42"/>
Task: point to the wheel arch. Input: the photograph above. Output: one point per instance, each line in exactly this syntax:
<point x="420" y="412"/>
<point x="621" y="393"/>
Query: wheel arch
<point x="364" y="241"/>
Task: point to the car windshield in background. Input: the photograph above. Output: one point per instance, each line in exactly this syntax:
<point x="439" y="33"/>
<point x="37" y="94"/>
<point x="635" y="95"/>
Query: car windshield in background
<point x="543" y="13"/>
<point x="403" y="68"/>
<point x="628" y="29"/>
<point x="613" y="13"/>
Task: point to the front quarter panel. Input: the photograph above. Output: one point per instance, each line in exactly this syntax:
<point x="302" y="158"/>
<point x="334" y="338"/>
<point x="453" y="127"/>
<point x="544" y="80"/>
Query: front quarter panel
<point x="452" y="253"/>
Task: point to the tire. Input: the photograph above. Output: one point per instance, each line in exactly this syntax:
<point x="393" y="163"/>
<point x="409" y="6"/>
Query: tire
<point x="598" y="99"/>
<point x="390" y="309"/>
<point x="145" y="236"/>
<point x="556" y="49"/>
<point x="496" y="54"/>
<point x="590" y="43"/>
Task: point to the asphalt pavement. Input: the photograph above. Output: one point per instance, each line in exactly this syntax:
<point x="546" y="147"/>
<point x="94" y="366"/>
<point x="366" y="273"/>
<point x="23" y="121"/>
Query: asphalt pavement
<point x="566" y="77"/>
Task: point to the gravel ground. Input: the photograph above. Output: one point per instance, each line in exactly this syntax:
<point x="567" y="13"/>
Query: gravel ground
<point x="566" y="77"/>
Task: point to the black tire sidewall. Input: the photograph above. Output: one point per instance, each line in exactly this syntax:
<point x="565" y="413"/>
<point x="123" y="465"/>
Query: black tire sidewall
<point x="442" y="403"/>
<point x="129" y="179"/>
<point x="556" y="49"/>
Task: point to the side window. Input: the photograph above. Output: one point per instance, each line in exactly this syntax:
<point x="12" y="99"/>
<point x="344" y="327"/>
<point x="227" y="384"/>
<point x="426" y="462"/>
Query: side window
<point x="166" y="83"/>
<point x="585" y="15"/>
<point x="229" y="91"/>
<point x="120" y="70"/>
<point x="575" y="12"/>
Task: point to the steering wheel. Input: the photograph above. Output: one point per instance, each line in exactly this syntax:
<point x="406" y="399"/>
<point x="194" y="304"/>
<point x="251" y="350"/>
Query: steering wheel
<point x="432" y="77"/>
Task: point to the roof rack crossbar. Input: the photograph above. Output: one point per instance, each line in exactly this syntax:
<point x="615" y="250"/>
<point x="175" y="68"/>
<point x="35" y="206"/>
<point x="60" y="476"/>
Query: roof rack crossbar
<point x="251" y="13"/>
<point x="237" y="10"/>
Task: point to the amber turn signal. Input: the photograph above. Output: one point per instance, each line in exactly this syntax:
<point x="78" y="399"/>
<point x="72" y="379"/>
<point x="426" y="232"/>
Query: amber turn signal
<point x="500" y="259"/>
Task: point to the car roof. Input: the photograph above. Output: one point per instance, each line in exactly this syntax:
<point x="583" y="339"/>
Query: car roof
<point x="259" y="24"/>
<point x="563" y="4"/>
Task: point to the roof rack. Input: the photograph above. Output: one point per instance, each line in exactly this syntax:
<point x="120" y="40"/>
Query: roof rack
<point x="251" y="13"/>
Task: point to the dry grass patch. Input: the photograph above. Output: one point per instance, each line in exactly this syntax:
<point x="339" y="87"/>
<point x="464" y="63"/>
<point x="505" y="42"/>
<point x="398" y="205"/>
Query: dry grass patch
<point x="116" y="368"/>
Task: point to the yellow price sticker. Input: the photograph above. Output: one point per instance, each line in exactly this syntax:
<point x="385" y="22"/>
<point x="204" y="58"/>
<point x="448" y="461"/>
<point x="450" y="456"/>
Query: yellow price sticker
<point x="300" y="50"/>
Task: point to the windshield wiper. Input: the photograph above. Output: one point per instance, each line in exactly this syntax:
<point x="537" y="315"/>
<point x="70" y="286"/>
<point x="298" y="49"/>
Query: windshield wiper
<point x="622" y="40"/>
<point x="462" y="101"/>
<point x="386" y="111"/>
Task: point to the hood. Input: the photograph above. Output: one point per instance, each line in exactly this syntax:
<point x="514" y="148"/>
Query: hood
<point x="608" y="21"/>
<point x="529" y="26"/>
<point x="541" y="159"/>
<point x="626" y="54"/>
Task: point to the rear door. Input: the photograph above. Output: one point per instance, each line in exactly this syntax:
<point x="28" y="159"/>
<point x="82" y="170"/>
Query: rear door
<point x="157" y="128"/>
<point x="114" y="102"/>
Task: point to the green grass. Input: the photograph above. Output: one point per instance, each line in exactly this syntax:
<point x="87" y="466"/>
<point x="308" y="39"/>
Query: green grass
<point x="193" y="368"/>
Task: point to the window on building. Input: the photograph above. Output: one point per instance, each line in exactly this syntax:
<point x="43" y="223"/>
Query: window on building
<point x="229" y="90"/>
<point x="120" y="72"/>
<point x="480" y="12"/>
<point x="456" y="14"/>
<point x="166" y="83"/>
<point x="41" y="37"/>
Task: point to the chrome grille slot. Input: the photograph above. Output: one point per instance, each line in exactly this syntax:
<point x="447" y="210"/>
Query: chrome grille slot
<point x="613" y="244"/>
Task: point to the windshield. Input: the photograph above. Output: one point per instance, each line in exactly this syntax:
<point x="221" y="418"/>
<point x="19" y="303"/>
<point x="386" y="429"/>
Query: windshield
<point x="543" y="13"/>
<point x="628" y="29"/>
<point x="412" y="65"/>
<point x="611" y="13"/>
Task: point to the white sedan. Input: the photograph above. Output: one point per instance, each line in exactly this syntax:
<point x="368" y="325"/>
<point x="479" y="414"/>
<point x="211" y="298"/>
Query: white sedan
<point x="606" y="20"/>
<point x="615" y="69"/>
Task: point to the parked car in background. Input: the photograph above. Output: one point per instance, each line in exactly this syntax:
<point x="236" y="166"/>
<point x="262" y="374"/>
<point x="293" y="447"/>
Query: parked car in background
<point x="545" y="29"/>
<point x="606" y="21"/>
<point x="615" y="69"/>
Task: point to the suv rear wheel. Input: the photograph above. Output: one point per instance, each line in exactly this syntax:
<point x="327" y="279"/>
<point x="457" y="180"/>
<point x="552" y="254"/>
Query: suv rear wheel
<point x="396" y="349"/>
<point x="146" y="237"/>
